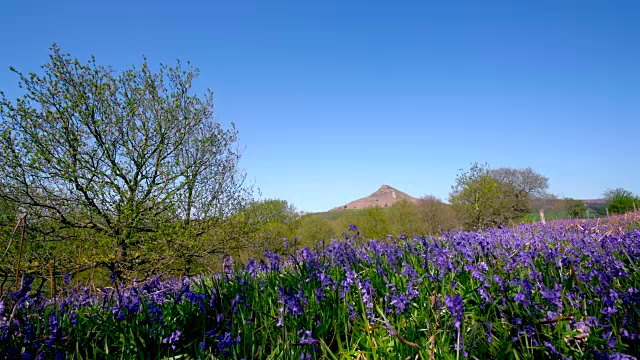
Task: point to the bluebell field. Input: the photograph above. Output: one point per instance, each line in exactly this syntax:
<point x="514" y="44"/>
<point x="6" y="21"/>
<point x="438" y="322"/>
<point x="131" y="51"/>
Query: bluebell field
<point x="567" y="290"/>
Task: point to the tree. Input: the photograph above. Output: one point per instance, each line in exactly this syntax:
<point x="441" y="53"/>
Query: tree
<point x="133" y="157"/>
<point x="313" y="229"/>
<point x="530" y="189"/>
<point x="264" y="225"/>
<point x="403" y="218"/>
<point x="475" y="198"/>
<point x="575" y="208"/>
<point x="621" y="200"/>
<point x="526" y="181"/>
<point x="483" y="198"/>
<point x="371" y="222"/>
<point x="435" y="216"/>
<point x="8" y="253"/>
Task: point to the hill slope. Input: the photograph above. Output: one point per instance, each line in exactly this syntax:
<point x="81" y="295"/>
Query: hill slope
<point x="383" y="197"/>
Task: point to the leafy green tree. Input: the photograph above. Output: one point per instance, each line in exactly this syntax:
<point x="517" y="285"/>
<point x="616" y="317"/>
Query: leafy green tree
<point x="481" y="200"/>
<point x="371" y="222"/>
<point x="575" y="208"/>
<point x="133" y="158"/>
<point x="621" y="200"/>
<point x="601" y="210"/>
<point x="403" y="218"/>
<point x="435" y="216"/>
<point x="530" y="189"/>
<point x="313" y="229"/>
<point x="264" y="225"/>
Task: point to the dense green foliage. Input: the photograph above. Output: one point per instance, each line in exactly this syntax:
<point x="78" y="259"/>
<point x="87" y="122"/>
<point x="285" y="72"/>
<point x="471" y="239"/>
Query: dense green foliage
<point x="267" y="222"/>
<point x="575" y="208"/>
<point x="427" y="216"/>
<point x="481" y="201"/>
<point x="313" y="229"/>
<point x="621" y="201"/>
<point x="484" y="197"/>
<point x="529" y="188"/>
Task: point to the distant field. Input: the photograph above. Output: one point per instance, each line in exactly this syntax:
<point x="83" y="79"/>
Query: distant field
<point x="549" y="215"/>
<point x="591" y="213"/>
<point x="530" y="217"/>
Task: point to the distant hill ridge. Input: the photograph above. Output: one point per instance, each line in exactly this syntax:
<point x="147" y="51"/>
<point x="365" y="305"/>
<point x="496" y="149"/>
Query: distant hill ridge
<point x="383" y="197"/>
<point x="595" y="201"/>
<point x="387" y="195"/>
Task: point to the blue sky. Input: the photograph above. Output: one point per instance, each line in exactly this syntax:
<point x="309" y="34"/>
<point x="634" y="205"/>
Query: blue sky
<point x="334" y="98"/>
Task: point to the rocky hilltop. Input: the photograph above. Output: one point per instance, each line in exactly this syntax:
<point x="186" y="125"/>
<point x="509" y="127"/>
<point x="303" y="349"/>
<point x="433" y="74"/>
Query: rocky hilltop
<point x="383" y="197"/>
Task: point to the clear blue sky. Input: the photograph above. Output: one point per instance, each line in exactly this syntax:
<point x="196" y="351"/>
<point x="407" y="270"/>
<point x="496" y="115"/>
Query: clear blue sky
<point x="334" y="98"/>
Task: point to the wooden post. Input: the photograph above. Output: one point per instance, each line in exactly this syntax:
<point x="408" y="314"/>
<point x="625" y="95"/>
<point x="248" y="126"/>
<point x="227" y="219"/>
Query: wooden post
<point x="607" y="208"/>
<point x="93" y="268"/>
<point x="22" y="223"/>
<point x="542" y="220"/>
<point x="51" y="278"/>
<point x="79" y="260"/>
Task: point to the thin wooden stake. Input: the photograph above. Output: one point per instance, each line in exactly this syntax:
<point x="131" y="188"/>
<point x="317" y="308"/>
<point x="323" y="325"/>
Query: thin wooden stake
<point x="51" y="278"/>
<point x="22" y="223"/>
<point x="79" y="258"/>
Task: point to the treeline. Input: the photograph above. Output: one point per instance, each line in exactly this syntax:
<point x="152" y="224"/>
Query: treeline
<point x="287" y="227"/>
<point x="484" y="197"/>
<point x="284" y="227"/>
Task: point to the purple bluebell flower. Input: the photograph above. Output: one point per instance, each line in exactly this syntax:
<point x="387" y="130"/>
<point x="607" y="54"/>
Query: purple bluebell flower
<point x="54" y="329"/>
<point x="521" y="298"/>
<point x="550" y="346"/>
<point x="250" y="268"/>
<point x="488" y="332"/>
<point x="352" y="311"/>
<point x="319" y="293"/>
<point x="400" y="302"/>
<point x="114" y="274"/>
<point x="620" y="356"/>
<point x="306" y="338"/>
<point x="228" y="264"/>
<point x="455" y="306"/>
<point x="172" y="339"/>
<point x="225" y="342"/>
<point x="238" y="299"/>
